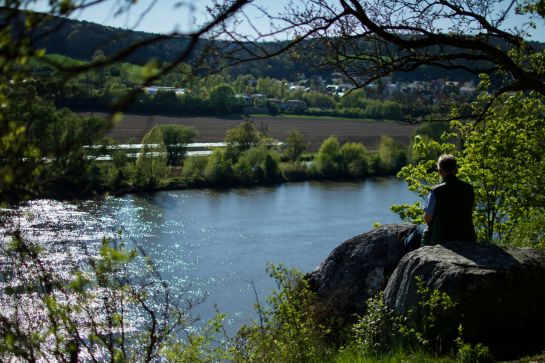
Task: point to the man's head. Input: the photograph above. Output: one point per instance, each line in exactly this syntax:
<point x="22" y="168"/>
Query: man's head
<point x="447" y="165"/>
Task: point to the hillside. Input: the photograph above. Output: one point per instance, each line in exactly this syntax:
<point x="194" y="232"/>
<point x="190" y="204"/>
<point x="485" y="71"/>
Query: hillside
<point x="82" y="39"/>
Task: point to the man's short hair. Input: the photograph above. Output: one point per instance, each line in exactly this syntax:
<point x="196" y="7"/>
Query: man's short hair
<point x="447" y="163"/>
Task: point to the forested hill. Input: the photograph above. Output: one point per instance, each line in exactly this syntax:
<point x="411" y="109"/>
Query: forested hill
<point x="82" y="39"/>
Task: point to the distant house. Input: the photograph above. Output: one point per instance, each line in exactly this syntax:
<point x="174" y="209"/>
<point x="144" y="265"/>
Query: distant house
<point x="467" y="89"/>
<point x="416" y="86"/>
<point x="154" y="89"/>
<point x="258" y="97"/>
<point x="392" y="88"/>
<point x="296" y="88"/>
<point x="294" y="106"/>
<point x="246" y="99"/>
<point x="338" y="89"/>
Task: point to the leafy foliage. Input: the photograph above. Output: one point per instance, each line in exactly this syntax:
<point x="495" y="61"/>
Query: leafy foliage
<point x="243" y="137"/>
<point x="289" y="329"/>
<point x="152" y="159"/>
<point x="176" y="137"/>
<point x="502" y="156"/>
<point x="295" y="145"/>
<point x="355" y="159"/>
<point x="108" y="306"/>
<point x="329" y="157"/>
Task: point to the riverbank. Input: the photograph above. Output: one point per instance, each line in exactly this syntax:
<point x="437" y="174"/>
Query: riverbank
<point x="181" y="183"/>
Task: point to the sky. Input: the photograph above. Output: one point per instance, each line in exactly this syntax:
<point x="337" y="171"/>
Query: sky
<point x="166" y="16"/>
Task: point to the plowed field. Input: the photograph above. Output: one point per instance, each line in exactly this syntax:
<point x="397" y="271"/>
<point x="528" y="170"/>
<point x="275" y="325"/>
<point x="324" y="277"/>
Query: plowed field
<point x="315" y="130"/>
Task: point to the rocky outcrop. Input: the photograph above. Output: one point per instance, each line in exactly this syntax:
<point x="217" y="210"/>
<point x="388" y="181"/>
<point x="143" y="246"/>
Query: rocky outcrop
<point x="500" y="293"/>
<point x="358" y="268"/>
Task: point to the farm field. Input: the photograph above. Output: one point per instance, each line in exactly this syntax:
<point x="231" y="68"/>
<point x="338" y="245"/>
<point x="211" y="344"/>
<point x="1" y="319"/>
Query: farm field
<point x="315" y="130"/>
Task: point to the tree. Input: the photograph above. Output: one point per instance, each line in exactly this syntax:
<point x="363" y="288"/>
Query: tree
<point x="392" y="155"/>
<point x="222" y="99"/>
<point x="176" y="138"/>
<point x="243" y="137"/>
<point x="319" y="100"/>
<point x="256" y="164"/>
<point x="20" y="31"/>
<point x="295" y="145"/>
<point x="355" y="159"/>
<point x="502" y="156"/>
<point x="329" y="158"/>
<point x="219" y="168"/>
<point x="151" y="165"/>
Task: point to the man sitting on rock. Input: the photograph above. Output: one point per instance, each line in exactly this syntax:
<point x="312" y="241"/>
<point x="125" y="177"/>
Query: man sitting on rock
<point x="449" y="208"/>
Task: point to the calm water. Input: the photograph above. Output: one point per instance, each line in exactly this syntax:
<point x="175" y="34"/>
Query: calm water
<point x="218" y="242"/>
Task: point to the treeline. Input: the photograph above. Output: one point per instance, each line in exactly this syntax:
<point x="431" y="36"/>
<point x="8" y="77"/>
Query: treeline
<point x="220" y="94"/>
<point x="67" y="152"/>
<point x="249" y="158"/>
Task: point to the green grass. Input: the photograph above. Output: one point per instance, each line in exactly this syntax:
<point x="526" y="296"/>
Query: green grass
<point x="350" y="356"/>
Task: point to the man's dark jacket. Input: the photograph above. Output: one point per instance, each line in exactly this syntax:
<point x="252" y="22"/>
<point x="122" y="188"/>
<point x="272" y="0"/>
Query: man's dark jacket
<point x="452" y="217"/>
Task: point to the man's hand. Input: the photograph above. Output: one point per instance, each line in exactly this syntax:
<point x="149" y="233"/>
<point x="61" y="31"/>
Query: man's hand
<point x="427" y="218"/>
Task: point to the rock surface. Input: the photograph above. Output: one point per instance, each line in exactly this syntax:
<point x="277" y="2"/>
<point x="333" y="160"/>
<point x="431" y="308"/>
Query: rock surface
<point x="500" y="293"/>
<point x="357" y="269"/>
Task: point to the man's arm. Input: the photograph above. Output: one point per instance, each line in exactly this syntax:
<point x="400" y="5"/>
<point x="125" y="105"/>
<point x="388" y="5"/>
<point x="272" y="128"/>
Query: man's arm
<point x="429" y="208"/>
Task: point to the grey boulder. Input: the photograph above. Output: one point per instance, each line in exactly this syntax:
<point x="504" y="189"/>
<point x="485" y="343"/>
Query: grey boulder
<point x="500" y="292"/>
<point x="357" y="269"/>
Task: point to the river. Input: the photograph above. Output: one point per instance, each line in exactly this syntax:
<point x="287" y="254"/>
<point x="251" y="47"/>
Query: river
<point x="217" y="243"/>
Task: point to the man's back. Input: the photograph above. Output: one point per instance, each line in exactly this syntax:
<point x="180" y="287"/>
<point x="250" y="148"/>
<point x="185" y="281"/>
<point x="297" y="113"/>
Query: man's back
<point x="452" y="217"/>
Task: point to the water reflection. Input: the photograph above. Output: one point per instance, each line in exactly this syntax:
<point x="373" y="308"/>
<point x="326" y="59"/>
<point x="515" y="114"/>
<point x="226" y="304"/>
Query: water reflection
<point x="218" y="240"/>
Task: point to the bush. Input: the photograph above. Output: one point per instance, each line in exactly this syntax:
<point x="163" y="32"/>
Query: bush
<point x="329" y="158"/>
<point x="354" y="159"/>
<point x="289" y="329"/>
<point x="378" y="331"/>
<point x="255" y="165"/>
<point x="194" y="167"/>
<point x="176" y="138"/>
<point x="219" y="168"/>
<point x="151" y="165"/>
<point x="293" y="171"/>
<point x="295" y="145"/>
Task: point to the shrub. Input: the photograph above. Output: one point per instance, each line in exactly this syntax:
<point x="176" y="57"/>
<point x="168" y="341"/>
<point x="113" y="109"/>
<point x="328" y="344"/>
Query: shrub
<point x="219" y="168"/>
<point x="256" y="164"/>
<point x="378" y="330"/>
<point x="354" y="159"/>
<point x="293" y="171"/>
<point x="472" y="353"/>
<point x="329" y="158"/>
<point x="289" y="329"/>
<point x="176" y="138"/>
<point x="194" y="167"/>
<point x="152" y="160"/>
<point x="295" y="145"/>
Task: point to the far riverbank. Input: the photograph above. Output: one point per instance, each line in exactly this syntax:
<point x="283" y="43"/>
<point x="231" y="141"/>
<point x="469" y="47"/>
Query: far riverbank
<point x="314" y="129"/>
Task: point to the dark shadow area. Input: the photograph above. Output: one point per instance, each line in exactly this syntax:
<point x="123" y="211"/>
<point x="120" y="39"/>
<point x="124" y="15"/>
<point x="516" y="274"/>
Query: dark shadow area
<point x="486" y="256"/>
